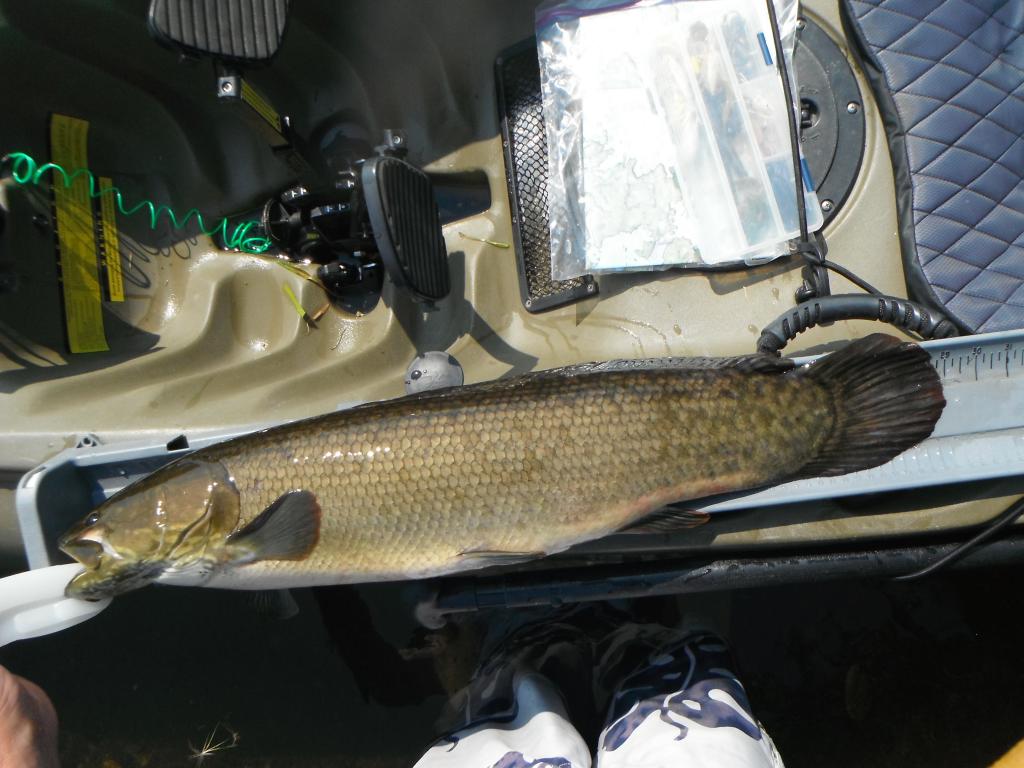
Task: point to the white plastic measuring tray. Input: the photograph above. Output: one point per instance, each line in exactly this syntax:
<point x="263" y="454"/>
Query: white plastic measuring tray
<point x="33" y="603"/>
<point x="979" y="437"/>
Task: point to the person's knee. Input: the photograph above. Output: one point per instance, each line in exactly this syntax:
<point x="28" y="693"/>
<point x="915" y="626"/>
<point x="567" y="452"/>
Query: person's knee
<point x="28" y="724"/>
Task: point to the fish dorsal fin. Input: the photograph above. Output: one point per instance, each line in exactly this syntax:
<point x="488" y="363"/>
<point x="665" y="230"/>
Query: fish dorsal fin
<point x="668" y="520"/>
<point x="764" y="364"/>
<point x="745" y="363"/>
<point x="286" y="530"/>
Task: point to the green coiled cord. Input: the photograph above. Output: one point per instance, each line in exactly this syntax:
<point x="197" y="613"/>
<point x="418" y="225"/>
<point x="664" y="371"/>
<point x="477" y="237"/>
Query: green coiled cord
<point x="25" y="170"/>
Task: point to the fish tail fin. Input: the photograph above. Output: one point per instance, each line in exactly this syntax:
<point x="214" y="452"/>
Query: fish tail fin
<point x="887" y="398"/>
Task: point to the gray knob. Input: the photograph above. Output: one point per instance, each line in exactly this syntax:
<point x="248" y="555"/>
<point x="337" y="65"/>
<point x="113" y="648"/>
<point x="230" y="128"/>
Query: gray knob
<point x="433" y="370"/>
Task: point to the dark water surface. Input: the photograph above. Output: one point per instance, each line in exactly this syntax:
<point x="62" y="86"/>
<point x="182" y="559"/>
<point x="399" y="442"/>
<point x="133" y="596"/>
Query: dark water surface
<point x="841" y="674"/>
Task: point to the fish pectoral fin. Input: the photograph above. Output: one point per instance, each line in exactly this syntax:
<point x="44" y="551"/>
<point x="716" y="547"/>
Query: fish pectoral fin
<point x="286" y="530"/>
<point x="668" y="520"/>
<point x="487" y="557"/>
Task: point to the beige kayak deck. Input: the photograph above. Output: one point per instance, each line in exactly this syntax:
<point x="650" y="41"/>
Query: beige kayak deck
<point x="207" y="340"/>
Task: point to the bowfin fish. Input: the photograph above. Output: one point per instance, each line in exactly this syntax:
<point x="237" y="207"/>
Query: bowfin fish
<point x="502" y="471"/>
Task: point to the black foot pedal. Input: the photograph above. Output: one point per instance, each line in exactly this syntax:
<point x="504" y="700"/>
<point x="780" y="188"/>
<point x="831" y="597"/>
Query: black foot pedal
<point x="526" y="169"/>
<point x="235" y="30"/>
<point x="403" y="214"/>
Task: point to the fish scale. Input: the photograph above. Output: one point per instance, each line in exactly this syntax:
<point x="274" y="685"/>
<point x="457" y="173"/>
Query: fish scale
<point x="980" y="435"/>
<point x="405" y="487"/>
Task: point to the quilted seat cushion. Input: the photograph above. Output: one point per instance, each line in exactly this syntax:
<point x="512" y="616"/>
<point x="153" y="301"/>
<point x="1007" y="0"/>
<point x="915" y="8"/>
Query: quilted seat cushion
<point x="949" y="77"/>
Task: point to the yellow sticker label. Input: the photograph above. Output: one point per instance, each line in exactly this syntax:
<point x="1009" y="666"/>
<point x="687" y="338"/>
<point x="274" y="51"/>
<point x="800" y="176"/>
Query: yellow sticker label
<point x="255" y="99"/>
<point x="111" y="243"/>
<point x="76" y="238"/>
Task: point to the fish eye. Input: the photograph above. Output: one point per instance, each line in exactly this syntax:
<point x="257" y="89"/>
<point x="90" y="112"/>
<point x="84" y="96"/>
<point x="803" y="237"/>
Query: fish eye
<point x="93" y="518"/>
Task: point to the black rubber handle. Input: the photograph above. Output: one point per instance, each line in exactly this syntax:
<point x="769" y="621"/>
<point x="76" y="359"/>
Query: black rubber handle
<point x="903" y="313"/>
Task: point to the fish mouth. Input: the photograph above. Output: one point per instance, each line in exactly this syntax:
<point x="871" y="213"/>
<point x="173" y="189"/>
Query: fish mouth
<point x="86" y="551"/>
<point x="103" y="576"/>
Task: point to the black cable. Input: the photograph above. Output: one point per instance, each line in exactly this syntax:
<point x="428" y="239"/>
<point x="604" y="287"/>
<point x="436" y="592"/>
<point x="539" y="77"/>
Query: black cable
<point x="814" y="300"/>
<point x="902" y="313"/>
<point x="816" y="258"/>
<point x="864" y="285"/>
<point x="996" y="524"/>
<point x="794" y="131"/>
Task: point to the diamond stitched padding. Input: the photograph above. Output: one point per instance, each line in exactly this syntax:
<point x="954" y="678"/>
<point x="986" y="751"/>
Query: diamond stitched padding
<point x="956" y="72"/>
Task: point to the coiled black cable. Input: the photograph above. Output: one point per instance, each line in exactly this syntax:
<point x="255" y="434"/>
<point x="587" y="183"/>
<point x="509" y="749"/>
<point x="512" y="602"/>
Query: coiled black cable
<point x="823" y="308"/>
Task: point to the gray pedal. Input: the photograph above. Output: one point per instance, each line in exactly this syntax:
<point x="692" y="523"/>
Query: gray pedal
<point x="407" y="227"/>
<point x="235" y="30"/>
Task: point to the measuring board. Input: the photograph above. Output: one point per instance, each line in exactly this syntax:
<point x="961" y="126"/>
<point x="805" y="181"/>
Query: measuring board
<point x="980" y="435"/>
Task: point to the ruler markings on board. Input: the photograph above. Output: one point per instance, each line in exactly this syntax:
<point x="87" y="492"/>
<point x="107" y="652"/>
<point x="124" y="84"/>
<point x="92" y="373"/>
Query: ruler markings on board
<point x="979" y="437"/>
